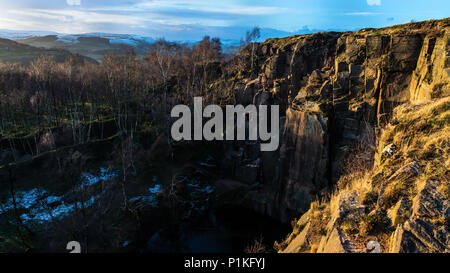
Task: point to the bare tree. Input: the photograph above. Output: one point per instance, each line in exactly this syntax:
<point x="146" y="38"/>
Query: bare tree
<point x="252" y="37"/>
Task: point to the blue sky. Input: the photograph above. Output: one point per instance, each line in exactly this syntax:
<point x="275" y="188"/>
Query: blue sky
<point x="179" y="19"/>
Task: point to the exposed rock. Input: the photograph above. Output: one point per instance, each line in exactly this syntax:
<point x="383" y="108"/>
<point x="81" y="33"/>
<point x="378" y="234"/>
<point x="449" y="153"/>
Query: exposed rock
<point x="417" y="235"/>
<point x="425" y="232"/>
<point x="406" y="172"/>
<point x="338" y="242"/>
<point x="306" y="158"/>
<point x="402" y="175"/>
<point x="388" y="151"/>
<point x="404" y="242"/>
<point x="349" y="206"/>
<point x="331" y="88"/>
<point x="400" y="212"/>
<point x="299" y="243"/>
<point x="333" y="243"/>
<point x="262" y="98"/>
<point x="430" y="202"/>
<point x="408" y="202"/>
<point x="373" y="247"/>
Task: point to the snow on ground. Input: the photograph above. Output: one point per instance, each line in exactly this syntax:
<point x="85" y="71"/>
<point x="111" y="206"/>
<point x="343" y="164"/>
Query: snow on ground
<point x="91" y="179"/>
<point x="42" y="206"/>
<point x="150" y="199"/>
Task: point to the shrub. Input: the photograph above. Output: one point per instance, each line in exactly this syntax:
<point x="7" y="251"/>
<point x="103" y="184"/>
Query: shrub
<point x="258" y="246"/>
<point x="374" y="223"/>
<point x="370" y="198"/>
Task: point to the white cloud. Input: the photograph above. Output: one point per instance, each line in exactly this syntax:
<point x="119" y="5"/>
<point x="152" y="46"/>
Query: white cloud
<point x="374" y="2"/>
<point x="73" y="2"/>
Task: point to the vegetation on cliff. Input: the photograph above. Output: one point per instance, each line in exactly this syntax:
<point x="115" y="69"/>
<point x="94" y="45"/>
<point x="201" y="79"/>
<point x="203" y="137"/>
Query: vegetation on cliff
<point x="363" y="153"/>
<point x="401" y="203"/>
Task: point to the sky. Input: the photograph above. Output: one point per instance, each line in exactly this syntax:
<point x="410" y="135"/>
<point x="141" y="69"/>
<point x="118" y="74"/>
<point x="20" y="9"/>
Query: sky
<point x="191" y="19"/>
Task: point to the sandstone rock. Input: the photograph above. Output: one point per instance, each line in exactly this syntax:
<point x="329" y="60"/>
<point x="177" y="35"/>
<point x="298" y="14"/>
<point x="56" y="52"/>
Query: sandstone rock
<point x="429" y="202"/>
<point x="338" y="242"/>
<point x="388" y="151"/>
<point x="306" y="157"/>
<point x="426" y="233"/>
<point x="407" y="171"/>
<point x="332" y="85"/>
<point x="299" y="243"/>
<point x="355" y="70"/>
<point x="326" y="89"/>
<point x="404" y="242"/>
<point x="349" y="207"/>
<point x="401" y="212"/>
<point x="443" y="236"/>
<point x="402" y="175"/>
<point x="333" y="243"/>
<point x="262" y="98"/>
<point x="373" y="247"/>
<point x="404" y="51"/>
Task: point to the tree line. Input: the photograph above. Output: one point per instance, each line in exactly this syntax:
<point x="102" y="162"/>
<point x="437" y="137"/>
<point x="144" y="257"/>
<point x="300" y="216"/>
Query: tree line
<point x="129" y="91"/>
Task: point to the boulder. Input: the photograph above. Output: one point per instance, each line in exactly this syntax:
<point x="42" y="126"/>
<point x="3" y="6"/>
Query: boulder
<point x="404" y="242"/>
<point x="388" y="151"/>
<point x="299" y="243"/>
<point x="430" y="202"/>
<point x="333" y="243"/>
<point x="373" y="247"/>
<point x="400" y="212"/>
<point x="349" y="206"/>
<point x="426" y="233"/>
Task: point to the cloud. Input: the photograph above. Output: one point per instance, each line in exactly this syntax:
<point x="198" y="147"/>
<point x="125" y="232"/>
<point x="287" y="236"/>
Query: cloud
<point x="73" y="2"/>
<point x="374" y="2"/>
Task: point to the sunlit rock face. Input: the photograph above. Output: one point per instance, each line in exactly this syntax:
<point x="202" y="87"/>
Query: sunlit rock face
<point x="333" y="89"/>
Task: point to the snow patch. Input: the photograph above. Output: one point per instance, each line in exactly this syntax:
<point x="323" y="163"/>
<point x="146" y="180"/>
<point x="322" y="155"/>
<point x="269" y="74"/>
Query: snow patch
<point x="105" y="175"/>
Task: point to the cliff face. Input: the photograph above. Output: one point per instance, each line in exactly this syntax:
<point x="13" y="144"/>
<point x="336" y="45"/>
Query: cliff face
<point x="399" y="205"/>
<point x="333" y="89"/>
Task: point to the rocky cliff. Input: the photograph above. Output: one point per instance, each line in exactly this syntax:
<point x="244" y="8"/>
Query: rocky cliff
<point x="335" y="90"/>
<point x="399" y="205"/>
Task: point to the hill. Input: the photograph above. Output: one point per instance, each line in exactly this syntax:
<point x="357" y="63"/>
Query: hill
<point x="91" y="45"/>
<point x="14" y="52"/>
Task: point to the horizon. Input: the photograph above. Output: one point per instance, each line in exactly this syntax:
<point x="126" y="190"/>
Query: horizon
<point x="191" y="20"/>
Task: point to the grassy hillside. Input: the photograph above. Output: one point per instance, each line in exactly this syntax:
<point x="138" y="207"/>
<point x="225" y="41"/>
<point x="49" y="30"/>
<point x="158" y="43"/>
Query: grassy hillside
<point x="91" y="46"/>
<point x="14" y="52"/>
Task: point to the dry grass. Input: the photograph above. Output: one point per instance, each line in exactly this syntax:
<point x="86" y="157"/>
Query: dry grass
<point x="421" y="133"/>
<point x="257" y="246"/>
<point x="360" y="159"/>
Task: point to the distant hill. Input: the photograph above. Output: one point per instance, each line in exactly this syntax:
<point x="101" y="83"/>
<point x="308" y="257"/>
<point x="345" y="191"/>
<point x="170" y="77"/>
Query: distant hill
<point x="93" y="45"/>
<point x="14" y="52"/>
